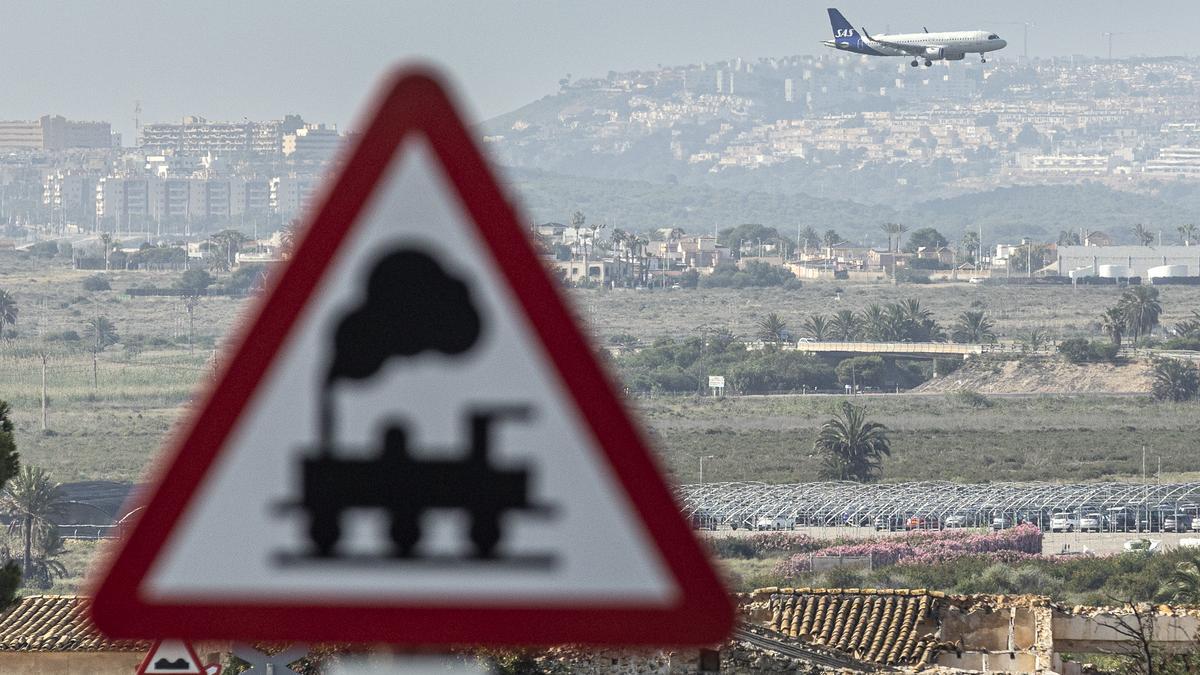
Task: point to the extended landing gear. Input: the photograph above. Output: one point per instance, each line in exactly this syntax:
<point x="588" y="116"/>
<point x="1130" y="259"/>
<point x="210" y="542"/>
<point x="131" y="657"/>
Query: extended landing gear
<point x="915" y="63"/>
<point x="928" y="63"/>
<point x="982" y="58"/>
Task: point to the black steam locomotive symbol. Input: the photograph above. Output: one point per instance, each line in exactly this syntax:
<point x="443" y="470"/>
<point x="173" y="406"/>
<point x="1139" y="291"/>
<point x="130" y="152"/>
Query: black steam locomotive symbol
<point x="412" y="306"/>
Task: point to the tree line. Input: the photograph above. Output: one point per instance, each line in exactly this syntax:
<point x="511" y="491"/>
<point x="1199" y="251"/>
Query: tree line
<point x="902" y="321"/>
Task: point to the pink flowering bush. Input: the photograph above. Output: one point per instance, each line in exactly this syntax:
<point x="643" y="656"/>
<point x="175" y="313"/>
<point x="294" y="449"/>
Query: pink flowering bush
<point x="928" y="548"/>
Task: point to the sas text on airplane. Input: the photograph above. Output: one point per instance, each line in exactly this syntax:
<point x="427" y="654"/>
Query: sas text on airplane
<point x="930" y="47"/>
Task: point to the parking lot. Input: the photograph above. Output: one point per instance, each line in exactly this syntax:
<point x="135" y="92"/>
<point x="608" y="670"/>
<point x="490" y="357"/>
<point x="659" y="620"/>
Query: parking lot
<point x="1053" y="543"/>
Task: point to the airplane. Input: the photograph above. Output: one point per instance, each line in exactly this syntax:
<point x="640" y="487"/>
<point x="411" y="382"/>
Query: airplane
<point x="950" y="46"/>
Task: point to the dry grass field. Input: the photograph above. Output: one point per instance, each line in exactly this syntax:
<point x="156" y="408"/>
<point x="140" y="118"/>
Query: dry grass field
<point x="934" y="437"/>
<point x="1061" y="311"/>
<point x="112" y="428"/>
<point x="111" y="431"/>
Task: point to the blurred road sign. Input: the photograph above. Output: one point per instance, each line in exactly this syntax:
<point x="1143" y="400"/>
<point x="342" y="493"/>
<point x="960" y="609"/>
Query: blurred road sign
<point x="174" y="656"/>
<point x="716" y="381"/>
<point x="413" y="442"/>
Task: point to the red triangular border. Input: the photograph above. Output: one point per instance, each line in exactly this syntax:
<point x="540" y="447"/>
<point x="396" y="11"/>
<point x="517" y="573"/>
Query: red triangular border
<point x="413" y="101"/>
<point x="154" y="650"/>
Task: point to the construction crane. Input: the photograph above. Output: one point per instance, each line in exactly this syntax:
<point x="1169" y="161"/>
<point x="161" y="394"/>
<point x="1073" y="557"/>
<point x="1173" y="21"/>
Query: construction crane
<point x="1025" y="26"/>
<point x="137" y="121"/>
<point x="1109" y="35"/>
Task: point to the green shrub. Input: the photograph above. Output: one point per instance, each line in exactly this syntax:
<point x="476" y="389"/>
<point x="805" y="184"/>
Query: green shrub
<point x="1081" y="350"/>
<point x="973" y="398"/>
<point x="96" y="282"/>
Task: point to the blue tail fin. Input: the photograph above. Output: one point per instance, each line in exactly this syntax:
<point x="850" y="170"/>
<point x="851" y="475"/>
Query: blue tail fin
<point x="841" y="27"/>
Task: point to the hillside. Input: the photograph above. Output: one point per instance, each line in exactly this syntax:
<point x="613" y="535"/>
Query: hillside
<point x="1045" y="376"/>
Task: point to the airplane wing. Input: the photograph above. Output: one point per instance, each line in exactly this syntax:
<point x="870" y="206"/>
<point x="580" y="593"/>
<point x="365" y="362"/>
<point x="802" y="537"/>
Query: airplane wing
<point x="909" y="49"/>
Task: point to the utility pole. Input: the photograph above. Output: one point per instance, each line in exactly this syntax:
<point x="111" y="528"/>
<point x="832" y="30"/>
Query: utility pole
<point x="702" y="458"/>
<point x="1025" y="26"/>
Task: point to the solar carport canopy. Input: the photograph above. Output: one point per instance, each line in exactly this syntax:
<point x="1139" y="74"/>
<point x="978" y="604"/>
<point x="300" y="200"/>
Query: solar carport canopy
<point x="841" y="503"/>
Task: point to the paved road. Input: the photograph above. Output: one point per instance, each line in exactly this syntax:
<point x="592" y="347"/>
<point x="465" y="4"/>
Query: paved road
<point x="1054" y="542"/>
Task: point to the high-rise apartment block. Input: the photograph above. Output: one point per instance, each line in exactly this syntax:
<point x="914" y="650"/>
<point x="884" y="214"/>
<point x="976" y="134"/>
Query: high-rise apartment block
<point x="54" y="133"/>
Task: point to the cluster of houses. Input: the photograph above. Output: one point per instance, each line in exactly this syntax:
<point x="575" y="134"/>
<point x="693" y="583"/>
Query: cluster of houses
<point x="583" y="256"/>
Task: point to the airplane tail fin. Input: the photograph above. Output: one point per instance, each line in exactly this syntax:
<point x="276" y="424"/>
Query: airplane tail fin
<point x="841" y="27"/>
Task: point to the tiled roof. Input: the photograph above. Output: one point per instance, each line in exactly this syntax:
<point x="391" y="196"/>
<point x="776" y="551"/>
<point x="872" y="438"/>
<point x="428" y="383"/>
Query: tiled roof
<point x="56" y="623"/>
<point x="893" y="627"/>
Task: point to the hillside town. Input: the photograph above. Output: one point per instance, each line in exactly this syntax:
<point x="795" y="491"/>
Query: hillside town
<point x="1059" y="119"/>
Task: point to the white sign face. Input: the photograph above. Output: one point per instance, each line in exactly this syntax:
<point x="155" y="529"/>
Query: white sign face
<point x="299" y="503"/>
<point x="716" y="381"/>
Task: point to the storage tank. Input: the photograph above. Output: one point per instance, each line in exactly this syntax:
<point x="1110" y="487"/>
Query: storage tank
<point x="1167" y="271"/>
<point x="1113" y="271"/>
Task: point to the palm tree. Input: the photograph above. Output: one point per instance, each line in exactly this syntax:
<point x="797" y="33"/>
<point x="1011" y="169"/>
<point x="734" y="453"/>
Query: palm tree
<point x="1141" y="309"/>
<point x="8" y="310"/>
<point x="817" y="327"/>
<point x="913" y="323"/>
<point x="974" y="327"/>
<point x="809" y="237"/>
<point x="874" y="322"/>
<point x="1187" y="233"/>
<point x="1112" y="321"/>
<point x="772" y="329"/>
<point x="287" y="239"/>
<point x="100" y="334"/>
<point x="900" y="230"/>
<point x="577" y="223"/>
<point x="1190" y="327"/>
<point x="1035" y="339"/>
<point x="106" y="242"/>
<point x="30" y="499"/>
<point x="970" y="242"/>
<point x="845" y="325"/>
<point x="44" y="565"/>
<point x="891" y="230"/>
<point x="1183" y="584"/>
<point x="830" y="239"/>
<point x="1143" y="236"/>
<point x="851" y="447"/>
<point x="1068" y="238"/>
<point x="1175" y="380"/>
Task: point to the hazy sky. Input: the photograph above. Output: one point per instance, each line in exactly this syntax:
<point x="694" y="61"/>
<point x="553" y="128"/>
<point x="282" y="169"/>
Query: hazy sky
<point x="229" y="59"/>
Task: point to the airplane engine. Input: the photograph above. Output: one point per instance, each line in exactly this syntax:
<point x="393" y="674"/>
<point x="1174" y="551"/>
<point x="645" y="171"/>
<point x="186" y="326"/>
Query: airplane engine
<point x="953" y="56"/>
<point x="935" y="53"/>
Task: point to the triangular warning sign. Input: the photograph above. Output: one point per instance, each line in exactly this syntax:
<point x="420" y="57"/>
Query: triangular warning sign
<point x="413" y="442"/>
<point x="171" y="656"/>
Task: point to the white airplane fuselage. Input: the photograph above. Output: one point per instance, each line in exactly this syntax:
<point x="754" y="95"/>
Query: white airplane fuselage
<point x="926" y="46"/>
<point x="950" y="46"/>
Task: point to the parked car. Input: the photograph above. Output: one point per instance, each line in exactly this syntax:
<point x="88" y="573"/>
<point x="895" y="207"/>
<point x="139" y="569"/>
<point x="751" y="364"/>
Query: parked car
<point x="957" y="520"/>
<point x="999" y="523"/>
<point x="1092" y="522"/>
<point x="775" y="523"/>
<point x="889" y="523"/>
<point x="1063" y="522"/>
<point x="1177" y="523"/>
<point x="921" y="523"/>
<point x="703" y="520"/>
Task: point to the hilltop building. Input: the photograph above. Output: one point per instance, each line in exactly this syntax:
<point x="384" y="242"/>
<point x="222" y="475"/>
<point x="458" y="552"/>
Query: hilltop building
<point x="54" y="133"/>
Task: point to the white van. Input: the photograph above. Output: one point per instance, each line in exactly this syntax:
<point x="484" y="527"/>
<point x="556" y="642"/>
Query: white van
<point x="775" y="523"/>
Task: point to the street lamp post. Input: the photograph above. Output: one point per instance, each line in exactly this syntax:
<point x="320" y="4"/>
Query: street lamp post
<point x="702" y="458"/>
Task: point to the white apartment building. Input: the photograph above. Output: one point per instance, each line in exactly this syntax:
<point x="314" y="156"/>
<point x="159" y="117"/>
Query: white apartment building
<point x="173" y="204"/>
<point x="1176" y="160"/>
<point x="291" y="194"/>
<point x="312" y="142"/>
